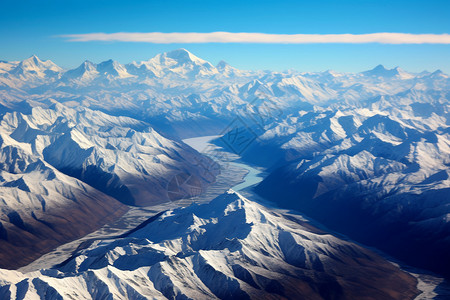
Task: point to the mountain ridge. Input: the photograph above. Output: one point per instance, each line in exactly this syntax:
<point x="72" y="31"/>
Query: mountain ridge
<point x="221" y="250"/>
<point x="184" y="56"/>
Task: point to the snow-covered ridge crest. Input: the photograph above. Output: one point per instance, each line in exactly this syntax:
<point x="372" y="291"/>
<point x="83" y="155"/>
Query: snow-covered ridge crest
<point x="35" y="201"/>
<point x="179" y="86"/>
<point x="121" y="156"/>
<point x="229" y="248"/>
<point x="386" y="159"/>
<point x="59" y="164"/>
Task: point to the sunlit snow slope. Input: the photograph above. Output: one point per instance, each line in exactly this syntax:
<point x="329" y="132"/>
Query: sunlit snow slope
<point x="366" y="153"/>
<point x="230" y="248"/>
<point x="65" y="172"/>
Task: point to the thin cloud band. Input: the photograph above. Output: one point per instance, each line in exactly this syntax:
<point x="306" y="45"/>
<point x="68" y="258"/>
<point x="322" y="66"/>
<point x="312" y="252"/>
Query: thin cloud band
<point x="259" y="38"/>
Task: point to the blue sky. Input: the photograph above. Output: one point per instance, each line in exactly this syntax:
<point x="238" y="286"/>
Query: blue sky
<point x="34" y="27"/>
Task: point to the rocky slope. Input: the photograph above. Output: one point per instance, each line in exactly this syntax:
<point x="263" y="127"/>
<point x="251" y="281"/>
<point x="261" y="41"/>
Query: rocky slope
<point x="39" y="205"/>
<point x="122" y="157"/>
<point x="373" y="146"/>
<point x="378" y="172"/>
<point x="230" y="248"/>
<point x="63" y="172"/>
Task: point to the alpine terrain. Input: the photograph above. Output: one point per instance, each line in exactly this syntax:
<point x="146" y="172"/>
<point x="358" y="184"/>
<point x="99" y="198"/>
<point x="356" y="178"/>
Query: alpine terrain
<point x="230" y="248"/>
<point x="363" y="156"/>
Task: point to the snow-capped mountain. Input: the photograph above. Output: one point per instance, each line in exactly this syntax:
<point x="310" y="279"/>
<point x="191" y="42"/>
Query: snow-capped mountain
<point x="229" y="71"/>
<point x="373" y="145"/>
<point x="58" y="165"/>
<point x="178" y="64"/>
<point x="88" y="73"/>
<point x="120" y="156"/>
<point x="230" y="248"/>
<point x="381" y="71"/>
<point x="40" y="205"/>
<point x="177" y="87"/>
<point x="34" y="67"/>
<point x="29" y="73"/>
<point x="374" y="172"/>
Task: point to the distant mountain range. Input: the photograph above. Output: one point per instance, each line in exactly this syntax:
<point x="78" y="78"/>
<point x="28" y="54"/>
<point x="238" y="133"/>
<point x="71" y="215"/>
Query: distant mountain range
<point x="177" y="90"/>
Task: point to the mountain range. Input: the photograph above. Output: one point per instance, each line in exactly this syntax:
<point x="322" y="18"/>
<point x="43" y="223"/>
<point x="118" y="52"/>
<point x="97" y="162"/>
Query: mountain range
<point x="366" y="154"/>
<point x="177" y="90"/>
<point x="230" y="248"/>
<point x="62" y="166"/>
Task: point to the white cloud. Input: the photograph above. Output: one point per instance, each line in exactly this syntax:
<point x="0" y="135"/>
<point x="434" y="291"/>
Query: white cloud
<point x="260" y="38"/>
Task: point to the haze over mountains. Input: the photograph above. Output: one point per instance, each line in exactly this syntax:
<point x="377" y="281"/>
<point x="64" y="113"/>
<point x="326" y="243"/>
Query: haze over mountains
<point x="366" y="154"/>
<point x="175" y="88"/>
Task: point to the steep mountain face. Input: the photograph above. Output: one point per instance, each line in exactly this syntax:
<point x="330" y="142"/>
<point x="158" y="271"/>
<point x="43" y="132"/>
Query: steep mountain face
<point x="373" y="146"/>
<point x="120" y="156"/>
<point x="177" y="64"/>
<point x="231" y="248"/>
<point x="39" y="205"/>
<point x="58" y="165"/>
<point x="379" y="173"/>
<point x="29" y="73"/>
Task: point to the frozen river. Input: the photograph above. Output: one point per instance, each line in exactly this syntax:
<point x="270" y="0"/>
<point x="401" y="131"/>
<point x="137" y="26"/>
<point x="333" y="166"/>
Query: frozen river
<point x="203" y="145"/>
<point x="233" y="174"/>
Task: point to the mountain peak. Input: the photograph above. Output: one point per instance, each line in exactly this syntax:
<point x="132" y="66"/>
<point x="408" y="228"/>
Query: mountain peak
<point x="87" y="69"/>
<point x="87" y="62"/>
<point x="114" y="68"/>
<point x="227" y="70"/>
<point x="181" y="51"/>
<point x="222" y="65"/>
<point x="87" y="65"/>
<point x="36" y="67"/>
<point x="182" y="56"/>
<point x="109" y="63"/>
<point x="438" y="74"/>
<point x="33" y="59"/>
<point x="381" y="71"/>
<point x="379" y="67"/>
<point x="180" y="62"/>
